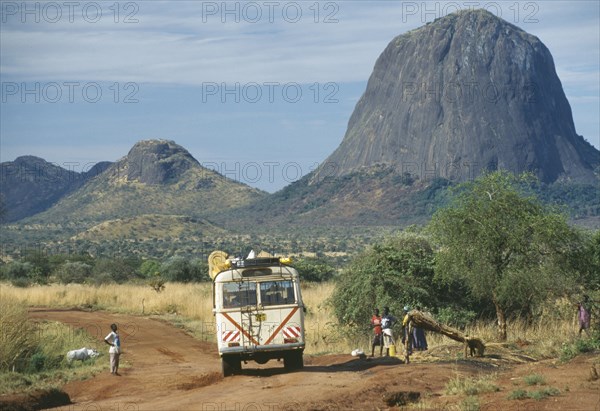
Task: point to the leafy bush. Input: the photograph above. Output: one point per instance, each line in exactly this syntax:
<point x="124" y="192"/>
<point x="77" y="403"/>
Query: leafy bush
<point x="16" y="270"/>
<point x="580" y="345"/>
<point x="181" y="269"/>
<point x="544" y="393"/>
<point x="113" y="269"/>
<point x="521" y="394"/>
<point x="149" y="268"/>
<point x="73" y="272"/>
<point x="534" y="379"/>
<point x="394" y="273"/>
<point x="471" y="386"/>
<point x="518" y="394"/>
<point x="36" y="362"/>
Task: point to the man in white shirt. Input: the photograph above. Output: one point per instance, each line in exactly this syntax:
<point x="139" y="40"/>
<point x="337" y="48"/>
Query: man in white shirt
<point x="114" y="341"/>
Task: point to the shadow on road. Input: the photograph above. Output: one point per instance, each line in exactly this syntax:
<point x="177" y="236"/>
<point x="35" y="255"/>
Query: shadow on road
<point x="355" y="364"/>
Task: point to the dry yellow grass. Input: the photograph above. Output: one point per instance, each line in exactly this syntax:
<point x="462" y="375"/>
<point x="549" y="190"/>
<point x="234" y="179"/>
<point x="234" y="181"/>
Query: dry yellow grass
<point x="191" y="304"/>
<point x="190" y="300"/>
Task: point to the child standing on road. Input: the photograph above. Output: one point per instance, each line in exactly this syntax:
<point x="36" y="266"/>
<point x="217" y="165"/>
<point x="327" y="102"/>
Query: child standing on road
<point x="114" y="341"/>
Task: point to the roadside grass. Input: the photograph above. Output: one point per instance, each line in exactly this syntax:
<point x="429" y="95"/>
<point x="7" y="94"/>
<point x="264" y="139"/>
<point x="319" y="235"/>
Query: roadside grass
<point x="534" y="379"/>
<point x="32" y="353"/>
<point x="538" y="395"/>
<point x="471" y="386"/>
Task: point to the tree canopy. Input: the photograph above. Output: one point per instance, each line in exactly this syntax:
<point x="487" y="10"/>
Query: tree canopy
<point x="394" y="273"/>
<point x="503" y="244"/>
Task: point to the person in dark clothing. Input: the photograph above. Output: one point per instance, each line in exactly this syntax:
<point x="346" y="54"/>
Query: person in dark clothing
<point x="583" y="317"/>
<point x="419" y="339"/>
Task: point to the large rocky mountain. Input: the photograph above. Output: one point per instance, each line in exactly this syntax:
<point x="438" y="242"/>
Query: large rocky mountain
<point x="155" y="177"/>
<point x="466" y="93"/>
<point x="462" y="94"/>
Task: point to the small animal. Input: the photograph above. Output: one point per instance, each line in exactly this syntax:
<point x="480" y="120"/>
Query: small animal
<point x="474" y="346"/>
<point x="82" y="354"/>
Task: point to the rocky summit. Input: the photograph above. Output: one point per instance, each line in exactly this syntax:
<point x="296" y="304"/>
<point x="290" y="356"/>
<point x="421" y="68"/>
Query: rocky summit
<point x="465" y="93"/>
<point x="156" y="162"/>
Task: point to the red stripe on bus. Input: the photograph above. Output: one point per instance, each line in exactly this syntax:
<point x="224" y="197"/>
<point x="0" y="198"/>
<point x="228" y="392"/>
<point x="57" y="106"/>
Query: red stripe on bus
<point x="272" y="337"/>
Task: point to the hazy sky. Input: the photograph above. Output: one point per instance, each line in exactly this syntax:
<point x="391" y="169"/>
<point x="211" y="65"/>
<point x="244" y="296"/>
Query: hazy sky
<point x="261" y="91"/>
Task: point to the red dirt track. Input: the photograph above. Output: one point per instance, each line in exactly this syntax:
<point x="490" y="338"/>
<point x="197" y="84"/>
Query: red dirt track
<point x="163" y="368"/>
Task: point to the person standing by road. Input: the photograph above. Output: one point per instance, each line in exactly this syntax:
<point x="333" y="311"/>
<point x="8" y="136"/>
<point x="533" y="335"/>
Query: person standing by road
<point x="114" y="341"/>
<point x="583" y="317"/>
<point x="377" y="338"/>
<point x="387" y="321"/>
<point x="419" y="339"/>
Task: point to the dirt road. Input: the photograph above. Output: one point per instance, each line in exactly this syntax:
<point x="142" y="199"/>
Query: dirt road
<point x="166" y="369"/>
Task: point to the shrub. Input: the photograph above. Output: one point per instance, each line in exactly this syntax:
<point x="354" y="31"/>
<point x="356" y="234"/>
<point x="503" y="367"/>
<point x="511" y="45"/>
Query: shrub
<point x="181" y="269"/>
<point x="534" y="379"/>
<point x="73" y="272"/>
<point x="471" y="403"/>
<point x="521" y="394"/>
<point x="544" y="393"/>
<point x="471" y="386"/>
<point x="36" y="362"/>
<point x="580" y="345"/>
<point x="17" y="270"/>
<point x="395" y="272"/>
<point x="518" y="394"/>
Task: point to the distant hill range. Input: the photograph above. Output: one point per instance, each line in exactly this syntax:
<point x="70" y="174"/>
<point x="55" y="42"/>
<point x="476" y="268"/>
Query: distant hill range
<point x="155" y="177"/>
<point x="466" y="93"/>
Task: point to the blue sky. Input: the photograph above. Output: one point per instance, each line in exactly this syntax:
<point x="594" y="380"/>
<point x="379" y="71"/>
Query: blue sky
<point x="260" y="91"/>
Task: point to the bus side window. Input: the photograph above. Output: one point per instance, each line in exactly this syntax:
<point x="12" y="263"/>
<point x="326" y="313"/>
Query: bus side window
<point x="289" y="294"/>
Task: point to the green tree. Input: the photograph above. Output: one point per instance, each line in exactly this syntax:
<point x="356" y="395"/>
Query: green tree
<point x="17" y="270"/>
<point x="589" y="261"/>
<point x="73" y="272"/>
<point x="41" y="262"/>
<point x="395" y="272"/>
<point x="181" y="269"/>
<point x="113" y="269"/>
<point x="504" y="245"/>
<point x="149" y="268"/>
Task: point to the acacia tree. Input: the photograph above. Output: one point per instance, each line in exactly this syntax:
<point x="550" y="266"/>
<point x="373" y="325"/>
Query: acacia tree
<point x="505" y="246"/>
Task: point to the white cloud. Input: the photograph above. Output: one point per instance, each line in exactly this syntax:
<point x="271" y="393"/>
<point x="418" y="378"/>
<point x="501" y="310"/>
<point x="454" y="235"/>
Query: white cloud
<point x="182" y="45"/>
